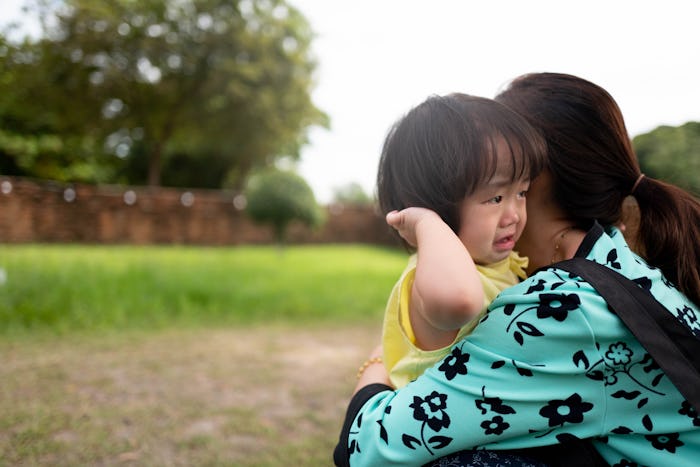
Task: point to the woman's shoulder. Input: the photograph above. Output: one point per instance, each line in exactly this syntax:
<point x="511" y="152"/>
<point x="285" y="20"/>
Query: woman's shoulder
<point x="552" y="306"/>
<point x="603" y="246"/>
<point x="611" y="250"/>
<point x="615" y="253"/>
<point x="546" y="280"/>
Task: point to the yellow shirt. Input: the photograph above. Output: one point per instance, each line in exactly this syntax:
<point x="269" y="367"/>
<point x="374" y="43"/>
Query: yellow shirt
<point x="404" y="361"/>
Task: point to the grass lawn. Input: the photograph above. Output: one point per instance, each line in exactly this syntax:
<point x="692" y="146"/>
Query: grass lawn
<point x="72" y="288"/>
<point x="183" y="356"/>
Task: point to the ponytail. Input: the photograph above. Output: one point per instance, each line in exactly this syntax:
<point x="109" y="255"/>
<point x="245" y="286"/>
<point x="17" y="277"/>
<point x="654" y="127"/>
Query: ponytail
<point x="594" y="168"/>
<point x="669" y="233"/>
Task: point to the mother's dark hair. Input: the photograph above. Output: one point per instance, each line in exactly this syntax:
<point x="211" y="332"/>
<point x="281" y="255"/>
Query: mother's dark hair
<point x="594" y="168"/>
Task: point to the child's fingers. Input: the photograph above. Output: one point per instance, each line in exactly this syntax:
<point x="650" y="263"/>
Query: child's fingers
<point x="393" y="218"/>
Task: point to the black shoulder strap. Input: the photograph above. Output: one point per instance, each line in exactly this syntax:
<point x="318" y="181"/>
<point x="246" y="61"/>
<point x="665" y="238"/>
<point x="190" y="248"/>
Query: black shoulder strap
<point x="671" y="344"/>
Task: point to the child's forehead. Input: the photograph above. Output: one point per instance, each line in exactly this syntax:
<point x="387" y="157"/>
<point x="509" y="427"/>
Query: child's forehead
<point x="506" y="164"/>
<point x="502" y="179"/>
<point x="503" y="158"/>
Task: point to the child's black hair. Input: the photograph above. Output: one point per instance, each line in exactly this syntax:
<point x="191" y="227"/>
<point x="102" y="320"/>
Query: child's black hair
<point x="444" y="148"/>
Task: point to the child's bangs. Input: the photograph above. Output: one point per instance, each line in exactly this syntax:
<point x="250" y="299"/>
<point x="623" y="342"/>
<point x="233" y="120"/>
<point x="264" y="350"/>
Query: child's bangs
<point x="524" y="157"/>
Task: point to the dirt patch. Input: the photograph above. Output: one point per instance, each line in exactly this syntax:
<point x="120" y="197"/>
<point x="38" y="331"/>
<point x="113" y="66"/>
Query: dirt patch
<point x="253" y="396"/>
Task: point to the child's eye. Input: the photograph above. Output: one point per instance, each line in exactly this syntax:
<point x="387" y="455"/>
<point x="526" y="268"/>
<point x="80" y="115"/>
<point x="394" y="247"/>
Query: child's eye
<point x="522" y="194"/>
<point x="495" y="200"/>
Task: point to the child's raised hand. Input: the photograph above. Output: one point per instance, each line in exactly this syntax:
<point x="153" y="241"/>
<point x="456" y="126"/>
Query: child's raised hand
<point x="406" y="221"/>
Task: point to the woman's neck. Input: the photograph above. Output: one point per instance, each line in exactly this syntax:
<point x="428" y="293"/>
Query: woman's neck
<point x="565" y="242"/>
<point x="556" y="240"/>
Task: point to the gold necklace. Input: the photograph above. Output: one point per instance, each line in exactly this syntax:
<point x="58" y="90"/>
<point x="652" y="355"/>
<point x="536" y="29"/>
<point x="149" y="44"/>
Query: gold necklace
<point x="560" y="239"/>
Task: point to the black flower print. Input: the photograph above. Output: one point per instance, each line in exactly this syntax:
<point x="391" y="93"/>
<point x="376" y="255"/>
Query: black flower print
<point x="617" y="360"/>
<point x="610" y="379"/>
<point x="492" y="404"/>
<point x="689" y="410"/>
<point x="570" y="410"/>
<point x="668" y="442"/>
<point x="495" y="426"/>
<point x="618" y="354"/>
<point x="536" y="287"/>
<point x="650" y="363"/>
<point x="353" y="444"/>
<point x="644" y="283"/>
<point x="612" y="259"/>
<point x="687" y="315"/>
<point x="551" y="305"/>
<point x="429" y="410"/>
<point x="557" y="306"/>
<point x="454" y="364"/>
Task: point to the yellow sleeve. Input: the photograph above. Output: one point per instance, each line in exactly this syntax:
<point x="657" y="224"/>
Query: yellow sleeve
<point x="403" y="360"/>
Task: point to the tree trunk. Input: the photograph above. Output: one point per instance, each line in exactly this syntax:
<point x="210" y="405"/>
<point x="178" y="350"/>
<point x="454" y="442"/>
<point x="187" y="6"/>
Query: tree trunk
<point x="154" y="165"/>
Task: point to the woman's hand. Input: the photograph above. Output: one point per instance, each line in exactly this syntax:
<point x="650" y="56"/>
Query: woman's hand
<point x="406" y="221"/>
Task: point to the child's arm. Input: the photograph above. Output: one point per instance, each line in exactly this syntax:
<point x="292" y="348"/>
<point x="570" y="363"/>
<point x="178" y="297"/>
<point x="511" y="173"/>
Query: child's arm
<point x="447" y="291"/>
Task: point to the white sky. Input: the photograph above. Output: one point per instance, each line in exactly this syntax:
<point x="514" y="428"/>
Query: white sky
<point x="379" y="58"/>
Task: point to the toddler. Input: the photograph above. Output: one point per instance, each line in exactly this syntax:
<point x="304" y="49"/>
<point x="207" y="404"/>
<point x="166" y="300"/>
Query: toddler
<point x="452" y="181"/>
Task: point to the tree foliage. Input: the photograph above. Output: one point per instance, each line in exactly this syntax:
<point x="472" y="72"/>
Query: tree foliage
<point x="352" y="194"/>
<point x="142" y="90"/>
<point x="672" y="154"/>
<point x="276" y="197"/>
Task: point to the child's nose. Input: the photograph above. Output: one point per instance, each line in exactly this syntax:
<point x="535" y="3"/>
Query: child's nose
<point x="512" y="214"/>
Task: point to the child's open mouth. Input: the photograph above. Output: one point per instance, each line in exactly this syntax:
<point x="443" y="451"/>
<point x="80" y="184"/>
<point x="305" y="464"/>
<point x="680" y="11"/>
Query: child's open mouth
<point x="506" y="243"/>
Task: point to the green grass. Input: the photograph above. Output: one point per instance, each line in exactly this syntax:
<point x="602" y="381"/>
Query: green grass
<point x="62" y="288"/>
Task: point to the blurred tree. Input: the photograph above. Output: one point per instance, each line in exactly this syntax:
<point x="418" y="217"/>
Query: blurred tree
<point x="672" y="154"/>
<point x="351" y="194"/>
<point x="39" y="134"/>
<point x="278" y="197"/>
<point x="220" y="83"/>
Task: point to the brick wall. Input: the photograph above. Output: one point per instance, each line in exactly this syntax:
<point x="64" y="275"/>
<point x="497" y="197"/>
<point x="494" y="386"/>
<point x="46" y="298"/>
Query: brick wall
<point x="45" y="211"/>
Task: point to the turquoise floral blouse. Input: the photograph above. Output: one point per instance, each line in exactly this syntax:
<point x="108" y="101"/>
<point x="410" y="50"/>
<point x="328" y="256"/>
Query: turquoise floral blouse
<point x="549" y="362"/>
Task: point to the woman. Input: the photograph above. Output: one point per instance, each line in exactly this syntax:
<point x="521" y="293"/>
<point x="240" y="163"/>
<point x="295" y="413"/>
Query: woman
<point x="550" y="364"/>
